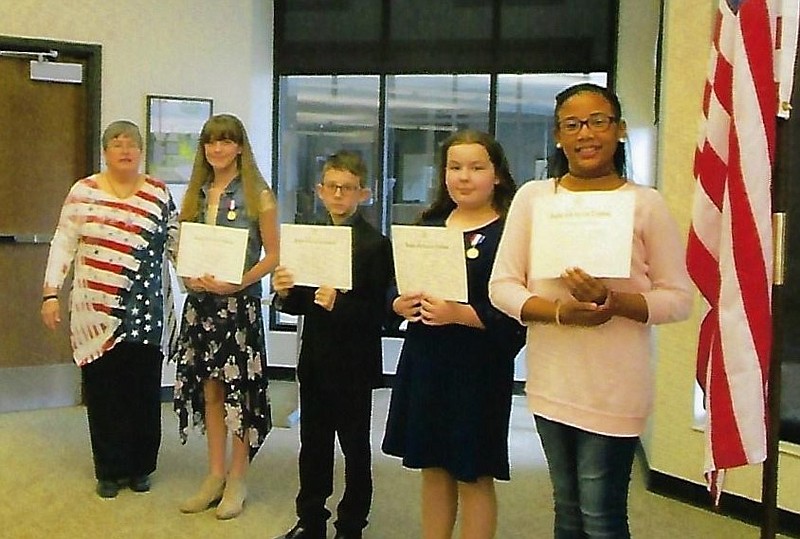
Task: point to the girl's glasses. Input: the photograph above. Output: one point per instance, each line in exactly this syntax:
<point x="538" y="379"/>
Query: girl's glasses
<point x="597" y="122"/>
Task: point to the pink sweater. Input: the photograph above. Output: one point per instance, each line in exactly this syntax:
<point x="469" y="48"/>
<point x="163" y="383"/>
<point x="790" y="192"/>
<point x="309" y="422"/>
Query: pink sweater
<point x="599" y="378"/>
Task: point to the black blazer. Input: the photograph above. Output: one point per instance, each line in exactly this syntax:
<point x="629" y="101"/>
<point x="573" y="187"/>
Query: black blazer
<point x="341" y="349"/>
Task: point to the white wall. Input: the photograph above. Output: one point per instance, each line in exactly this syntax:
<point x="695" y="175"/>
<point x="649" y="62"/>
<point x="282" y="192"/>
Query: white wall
<point x="635" y="84"/>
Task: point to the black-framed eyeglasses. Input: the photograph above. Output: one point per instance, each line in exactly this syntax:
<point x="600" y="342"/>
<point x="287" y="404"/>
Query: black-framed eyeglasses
<point x="597" y="122"/>
<point x="332" y="188"/>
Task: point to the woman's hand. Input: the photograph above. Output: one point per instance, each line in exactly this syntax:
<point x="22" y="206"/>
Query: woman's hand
<point x="221" y="288"/>
<point x="193" y="284"/>
<point x="51" y="313"/>
<point x="584" y="287"/>
<point x="408" y="306"/>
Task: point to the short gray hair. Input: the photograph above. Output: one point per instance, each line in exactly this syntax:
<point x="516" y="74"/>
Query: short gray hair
<point x="122" y="128"/>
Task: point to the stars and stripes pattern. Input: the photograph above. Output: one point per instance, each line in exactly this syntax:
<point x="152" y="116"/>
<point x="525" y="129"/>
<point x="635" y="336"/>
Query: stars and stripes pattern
<point x="118" y="249"/>
<point x="729" y="253"/>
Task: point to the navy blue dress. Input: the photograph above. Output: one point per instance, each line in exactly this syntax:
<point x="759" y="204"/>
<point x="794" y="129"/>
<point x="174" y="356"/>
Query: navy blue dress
<point x="451" y="397"/>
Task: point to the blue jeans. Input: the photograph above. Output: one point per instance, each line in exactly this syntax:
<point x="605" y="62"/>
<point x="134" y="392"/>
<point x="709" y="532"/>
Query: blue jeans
<point x="590" y="474"/>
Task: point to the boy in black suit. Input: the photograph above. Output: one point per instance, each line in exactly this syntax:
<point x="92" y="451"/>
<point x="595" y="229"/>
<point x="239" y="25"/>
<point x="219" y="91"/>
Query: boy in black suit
<point x="340" y="360"/>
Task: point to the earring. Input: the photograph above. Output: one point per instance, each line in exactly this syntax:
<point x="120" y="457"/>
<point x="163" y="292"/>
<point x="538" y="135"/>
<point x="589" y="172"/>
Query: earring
<point x="558" y="145"/>
<point x="621" y="139"/>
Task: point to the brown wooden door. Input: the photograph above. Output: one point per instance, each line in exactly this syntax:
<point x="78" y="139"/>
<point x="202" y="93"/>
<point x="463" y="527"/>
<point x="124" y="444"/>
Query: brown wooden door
<point x="47" y="140"/>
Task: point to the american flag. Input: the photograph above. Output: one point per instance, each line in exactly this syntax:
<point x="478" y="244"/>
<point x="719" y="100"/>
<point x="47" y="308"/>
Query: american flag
<point x="729" y="253"/>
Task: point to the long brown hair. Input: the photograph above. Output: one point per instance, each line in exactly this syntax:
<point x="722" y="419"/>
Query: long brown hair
<point x="503" y="191"/>
<point x="223" y="127"/>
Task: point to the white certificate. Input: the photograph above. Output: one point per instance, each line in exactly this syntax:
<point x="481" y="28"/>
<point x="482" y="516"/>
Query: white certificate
<point x="214" y="250"/>
<point x="592" y="231"/>
<point x="430" y="259"/>
<point x="318" y="255"/>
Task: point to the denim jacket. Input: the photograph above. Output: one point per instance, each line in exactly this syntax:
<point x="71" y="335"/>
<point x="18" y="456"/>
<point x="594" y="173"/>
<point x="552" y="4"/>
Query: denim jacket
<point x="233" y="197"/>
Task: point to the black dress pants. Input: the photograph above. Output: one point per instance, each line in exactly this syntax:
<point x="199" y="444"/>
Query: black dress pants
<point x="122" y="391"/>
<point x="324" y="414"/>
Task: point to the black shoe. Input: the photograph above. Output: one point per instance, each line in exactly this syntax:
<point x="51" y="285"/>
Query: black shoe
<point x="140" y="483"/>
<point x="347" y="535"/>
<point x="107" y="489"/>
<point x="299" y="532"/>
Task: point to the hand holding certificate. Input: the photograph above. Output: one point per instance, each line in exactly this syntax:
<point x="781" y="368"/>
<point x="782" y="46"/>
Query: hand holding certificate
<point x="431" y="260"/>
<point x="212" y="250"/>
<point x="591" y="230"/>
<point x="318" y="255"/>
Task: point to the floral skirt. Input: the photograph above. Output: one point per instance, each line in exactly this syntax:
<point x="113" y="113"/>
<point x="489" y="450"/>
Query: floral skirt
<point x="222" y="338"/>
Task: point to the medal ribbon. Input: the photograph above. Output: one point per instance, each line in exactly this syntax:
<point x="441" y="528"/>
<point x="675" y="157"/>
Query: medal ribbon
<point x="476" y="239"/>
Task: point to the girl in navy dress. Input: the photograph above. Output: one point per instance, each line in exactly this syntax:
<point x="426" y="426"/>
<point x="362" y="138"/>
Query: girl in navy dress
<point x="451" y="401"/>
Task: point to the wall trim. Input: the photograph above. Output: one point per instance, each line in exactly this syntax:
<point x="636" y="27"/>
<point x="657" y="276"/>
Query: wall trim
<point x="731" y="505"/>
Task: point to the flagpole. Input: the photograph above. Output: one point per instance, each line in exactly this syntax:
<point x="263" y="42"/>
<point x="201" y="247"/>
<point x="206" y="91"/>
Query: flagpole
<point x="769" y="474"/>
<point x="786" y="131"/>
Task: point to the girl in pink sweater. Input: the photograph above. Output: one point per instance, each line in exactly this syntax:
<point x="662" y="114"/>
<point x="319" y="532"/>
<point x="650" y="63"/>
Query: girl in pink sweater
<point x="589" y="382"/>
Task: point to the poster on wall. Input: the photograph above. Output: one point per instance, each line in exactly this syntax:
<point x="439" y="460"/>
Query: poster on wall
<point x="173" y="129"/>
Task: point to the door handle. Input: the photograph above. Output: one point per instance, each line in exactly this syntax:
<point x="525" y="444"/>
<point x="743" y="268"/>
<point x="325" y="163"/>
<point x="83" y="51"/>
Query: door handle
<point x="34" y="239"/>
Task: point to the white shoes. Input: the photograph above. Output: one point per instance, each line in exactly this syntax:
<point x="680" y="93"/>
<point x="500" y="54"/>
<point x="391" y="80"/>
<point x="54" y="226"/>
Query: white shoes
<point x="232" y="499"/>
<point x="210" y="491"/>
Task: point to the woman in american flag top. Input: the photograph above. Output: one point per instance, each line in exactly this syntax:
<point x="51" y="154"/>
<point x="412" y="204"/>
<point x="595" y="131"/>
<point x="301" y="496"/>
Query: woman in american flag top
<point x="115" y="229"/>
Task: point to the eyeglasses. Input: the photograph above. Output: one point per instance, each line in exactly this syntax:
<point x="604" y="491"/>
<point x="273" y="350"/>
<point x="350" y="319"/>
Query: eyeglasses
<point x="123" y="146"/>
<point x="597" y="122"/>
<point x="332" y="188"/>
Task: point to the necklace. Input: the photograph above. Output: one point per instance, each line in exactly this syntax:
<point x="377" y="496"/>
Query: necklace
<point x="608" y="182"/>
<point x="131" y="188"/>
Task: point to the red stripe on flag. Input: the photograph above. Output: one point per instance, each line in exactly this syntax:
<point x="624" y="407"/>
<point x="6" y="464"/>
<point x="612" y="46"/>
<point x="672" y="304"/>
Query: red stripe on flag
<point x="116" y="246"/>
<point x="714" y="168"/>
<point x="752" y="277"/>
<point x="102" y="287"/>
<point x="706" y="343"/>
<point x="754" y="17"/>
<point x="726" y="440"/>
<point x="717" y="32"/>
<point x="148" y="197"/>
<point x="116" y="223"/>
<point x="723" y="84"/>
<point x="707" y="90"/>
<point x="704" y="268"/>
<point x="158" y="184"/>
<point x="101" y="307"/>
<point x="105" y="266"/>
<point x="125" y="207"/>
